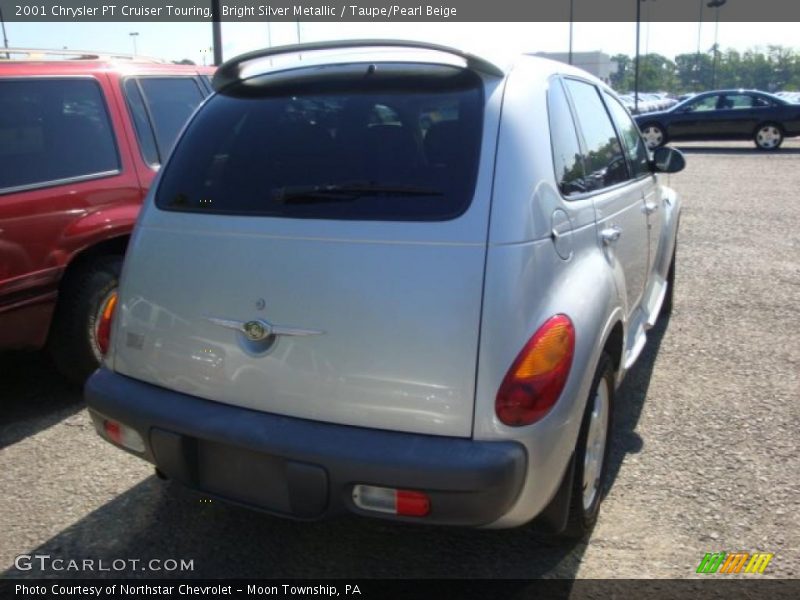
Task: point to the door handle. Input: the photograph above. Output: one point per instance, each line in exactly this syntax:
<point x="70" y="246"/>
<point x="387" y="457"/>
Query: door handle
<point x="610" y="235"/>
<point x="650" y="207"/>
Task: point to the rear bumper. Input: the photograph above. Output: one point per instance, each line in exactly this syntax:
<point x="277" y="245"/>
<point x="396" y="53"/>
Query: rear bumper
<point x="307" y="469"/>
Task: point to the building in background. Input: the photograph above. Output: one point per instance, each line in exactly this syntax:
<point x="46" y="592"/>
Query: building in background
<point x="598" y="64"/>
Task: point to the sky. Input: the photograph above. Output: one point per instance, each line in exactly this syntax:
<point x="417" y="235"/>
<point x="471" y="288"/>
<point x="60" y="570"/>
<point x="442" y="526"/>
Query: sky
<point x="499" y="42"/>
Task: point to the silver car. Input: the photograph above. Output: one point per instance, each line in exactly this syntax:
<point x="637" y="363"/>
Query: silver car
<point x="394" y="279"/>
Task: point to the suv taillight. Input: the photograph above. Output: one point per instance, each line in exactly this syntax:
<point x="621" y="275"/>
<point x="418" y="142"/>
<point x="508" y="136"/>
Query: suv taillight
<point x="536" y="378"/>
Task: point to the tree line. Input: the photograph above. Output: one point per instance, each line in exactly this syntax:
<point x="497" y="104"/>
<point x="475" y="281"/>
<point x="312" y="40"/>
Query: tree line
<point x="777" y="68"/>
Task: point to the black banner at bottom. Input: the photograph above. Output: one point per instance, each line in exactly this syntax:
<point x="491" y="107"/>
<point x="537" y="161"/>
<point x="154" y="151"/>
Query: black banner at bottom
<point x="712" y="587"/>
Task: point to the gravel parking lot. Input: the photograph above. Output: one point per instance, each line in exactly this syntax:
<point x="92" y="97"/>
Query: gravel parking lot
<point x="705" y="456"/>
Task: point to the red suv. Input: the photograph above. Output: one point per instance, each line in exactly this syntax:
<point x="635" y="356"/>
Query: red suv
<point x="81" y="140"/>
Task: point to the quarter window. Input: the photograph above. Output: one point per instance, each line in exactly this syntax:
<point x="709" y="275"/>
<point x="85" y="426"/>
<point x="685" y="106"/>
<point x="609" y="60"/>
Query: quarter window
<point x="603" y="157"/>
<point x="166" y="103"/>
<point x="638" y="157"/>
<point x="144" y="131"/>
<point x="567" y="159"/>
<point x="52" y="130"/>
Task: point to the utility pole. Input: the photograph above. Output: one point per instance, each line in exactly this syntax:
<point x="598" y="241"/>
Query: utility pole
<point x="134" y="35"/>
<point x="216" y="32"/>
<point x="715" y="4"/>
<point x="697" y="56"/>
<point x="5" y="39"/>
<point x="571" y="19"/>
<point x="636" y="65"/>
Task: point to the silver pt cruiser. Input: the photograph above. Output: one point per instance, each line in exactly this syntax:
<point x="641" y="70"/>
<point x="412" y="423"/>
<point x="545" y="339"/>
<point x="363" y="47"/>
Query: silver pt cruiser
<point x="394" y="279"/>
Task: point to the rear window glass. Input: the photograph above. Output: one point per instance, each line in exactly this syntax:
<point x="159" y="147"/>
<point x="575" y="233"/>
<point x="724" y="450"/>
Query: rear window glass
<point x="53" y="130"/>
<point x="399" y="147"/>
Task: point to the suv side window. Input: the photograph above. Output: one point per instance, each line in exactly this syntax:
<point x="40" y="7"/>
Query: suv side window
<point x="144" y="131"/>
<point x="166" y="103"/>
<point x="567" y="158"/>
<point x="603" y="157"/>
<point x="638" y="156"/>
<point x="52" y="130"/>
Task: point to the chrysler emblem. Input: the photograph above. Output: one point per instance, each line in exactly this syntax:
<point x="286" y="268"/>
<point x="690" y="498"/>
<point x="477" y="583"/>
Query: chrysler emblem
<point x="255" y="331"/>
<point x="259" y="329"/>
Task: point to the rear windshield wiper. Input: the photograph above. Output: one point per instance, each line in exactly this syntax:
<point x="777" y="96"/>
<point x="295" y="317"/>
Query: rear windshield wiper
<point x="308" y="194"/>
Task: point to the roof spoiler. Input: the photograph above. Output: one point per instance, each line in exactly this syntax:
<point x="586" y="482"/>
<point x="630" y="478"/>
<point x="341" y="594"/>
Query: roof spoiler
<point x="230" y="71"/>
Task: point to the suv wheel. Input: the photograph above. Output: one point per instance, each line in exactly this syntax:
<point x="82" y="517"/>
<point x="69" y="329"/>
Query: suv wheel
<point x="86" y="293"/>
<point x="591" y="454"/>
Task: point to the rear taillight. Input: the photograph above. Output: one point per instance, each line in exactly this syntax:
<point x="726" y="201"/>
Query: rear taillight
<point x="535" y="380"/>
<point x="406" y="503"/>
<point x="103" y="330"/>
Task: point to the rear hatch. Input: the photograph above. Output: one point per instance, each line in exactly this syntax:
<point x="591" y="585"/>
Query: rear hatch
<point x="315" y="248"/>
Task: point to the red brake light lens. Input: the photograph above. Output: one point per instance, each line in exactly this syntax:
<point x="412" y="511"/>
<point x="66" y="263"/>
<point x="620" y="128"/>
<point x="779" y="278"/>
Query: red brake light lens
<point x="537" y="377"/>
<point x="407" y="503"/>
<point x="412" y="504"/>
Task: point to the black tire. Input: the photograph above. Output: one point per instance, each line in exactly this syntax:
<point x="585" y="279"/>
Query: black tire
<point x="666" y="308"/>
<point x="581" y="520"/>
<point x="654" y="135"/>
<point x="72" y="341"/>
<point x="768" y="136"/>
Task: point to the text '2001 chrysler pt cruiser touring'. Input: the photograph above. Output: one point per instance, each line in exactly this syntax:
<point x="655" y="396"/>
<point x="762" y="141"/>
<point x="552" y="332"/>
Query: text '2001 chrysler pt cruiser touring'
<point x="392" y="279"/>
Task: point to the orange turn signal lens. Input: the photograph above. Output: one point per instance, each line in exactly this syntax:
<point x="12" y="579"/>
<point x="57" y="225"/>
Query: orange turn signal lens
<point x="103" y="331"/>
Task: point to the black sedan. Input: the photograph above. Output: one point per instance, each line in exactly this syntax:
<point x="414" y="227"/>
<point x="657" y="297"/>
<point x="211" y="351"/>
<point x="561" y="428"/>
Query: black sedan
<point x="724" y="115"/>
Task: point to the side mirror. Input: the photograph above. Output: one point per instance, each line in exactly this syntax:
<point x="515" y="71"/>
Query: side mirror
<point x="667" y="160"/>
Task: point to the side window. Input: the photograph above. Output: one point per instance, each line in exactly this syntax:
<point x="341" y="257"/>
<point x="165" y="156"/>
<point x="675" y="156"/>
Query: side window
<point x="736" y="101"/>
<point x="703" y="104"/>
<point x="53" y="129"/>
<point x="637" y="153"/>
<point x="170" y="102"/>
<point x="144" y="132"/>
<point x="604" y="159"/>
<point x="567" y="158"/>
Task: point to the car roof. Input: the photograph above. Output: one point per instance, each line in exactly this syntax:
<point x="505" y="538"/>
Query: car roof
<point x="53" y="62"/>
<point x="733" y="91"/>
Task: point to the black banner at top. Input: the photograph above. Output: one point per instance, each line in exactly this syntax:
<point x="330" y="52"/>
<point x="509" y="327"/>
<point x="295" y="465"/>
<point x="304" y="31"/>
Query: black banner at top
<point x="399" y="10"/>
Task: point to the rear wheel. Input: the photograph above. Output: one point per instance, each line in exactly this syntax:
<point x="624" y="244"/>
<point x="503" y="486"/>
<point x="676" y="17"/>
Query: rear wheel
<point x="768" y="136"/>
<point x="78" y="337"/>
<point x="666" y="308"/>
<point x="654" y="135"/>
<point x="591" y="453"/>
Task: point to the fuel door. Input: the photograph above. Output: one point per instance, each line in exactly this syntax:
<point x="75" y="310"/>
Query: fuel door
<point x="561" y="233"/>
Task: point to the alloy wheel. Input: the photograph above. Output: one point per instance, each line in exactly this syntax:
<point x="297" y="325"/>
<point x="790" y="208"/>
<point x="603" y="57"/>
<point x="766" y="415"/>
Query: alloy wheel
<point x="595" y="444"/>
